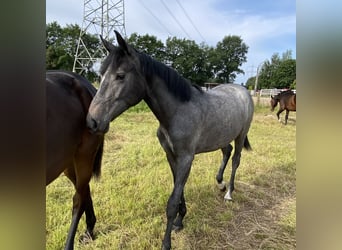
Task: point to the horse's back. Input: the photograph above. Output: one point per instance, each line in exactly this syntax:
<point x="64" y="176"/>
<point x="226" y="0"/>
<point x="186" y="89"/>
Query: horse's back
<point x="228" y="112"/>
<point x="288" y="101"/>
<point x="68" y="99"/>
<point x="234" y="98"/>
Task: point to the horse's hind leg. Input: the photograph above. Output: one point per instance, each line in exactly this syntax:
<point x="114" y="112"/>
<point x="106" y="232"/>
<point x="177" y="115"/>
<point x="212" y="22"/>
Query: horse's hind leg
<point x="286" y="116"/>
<point x="81" y="201"/>
<point x="90" y="218"/>
<point x="226" y="151"/>
<point x="235" y="164"/>
<point x="77" y="211"/>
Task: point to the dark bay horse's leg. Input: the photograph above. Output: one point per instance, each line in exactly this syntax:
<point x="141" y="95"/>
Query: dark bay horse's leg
<point x="278" y="113"/>
<point x="286" y="116"/>
<point x="90" y="219"/>
<point x="80" y="176"/>
<point x="76" y="213"/>
<point x="226" y="152"/>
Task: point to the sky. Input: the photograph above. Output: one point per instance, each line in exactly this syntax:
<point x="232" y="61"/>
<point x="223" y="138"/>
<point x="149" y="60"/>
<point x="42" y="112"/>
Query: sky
<point x="265" y="26"/>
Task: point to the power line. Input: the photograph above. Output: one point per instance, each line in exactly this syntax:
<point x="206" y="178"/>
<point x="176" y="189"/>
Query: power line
<point x="158" y="20"/>
<point x="192" y="23"/>
<point x="174" y="18"/>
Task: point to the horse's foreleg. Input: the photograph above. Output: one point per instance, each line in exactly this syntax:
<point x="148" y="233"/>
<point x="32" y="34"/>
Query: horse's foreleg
<point x="226" y="151"/>
<point x="182" y="170"/>
<point x="278" y="114"/>
<point x="178" y="223"/>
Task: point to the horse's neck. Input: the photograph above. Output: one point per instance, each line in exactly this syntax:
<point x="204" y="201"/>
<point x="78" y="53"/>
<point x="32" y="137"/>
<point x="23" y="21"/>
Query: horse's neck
<point x="160" y="101"/>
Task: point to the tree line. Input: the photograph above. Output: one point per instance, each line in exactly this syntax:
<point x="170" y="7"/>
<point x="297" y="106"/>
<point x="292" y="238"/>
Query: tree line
<point x="278" y="72"/>
<point x="199" y="63"/>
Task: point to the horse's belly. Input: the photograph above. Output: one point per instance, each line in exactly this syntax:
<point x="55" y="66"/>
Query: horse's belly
<point x="212" y="141"/>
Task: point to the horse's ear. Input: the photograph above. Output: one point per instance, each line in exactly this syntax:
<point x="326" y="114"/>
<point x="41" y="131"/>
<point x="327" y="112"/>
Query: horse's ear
<point x="122" y="43"/>
<point x="271" y="96"/>
<point x="109" y="47"/>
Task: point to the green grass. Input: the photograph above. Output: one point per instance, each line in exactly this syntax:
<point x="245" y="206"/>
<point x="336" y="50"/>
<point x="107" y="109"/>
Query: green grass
<point x="131" y="195"/>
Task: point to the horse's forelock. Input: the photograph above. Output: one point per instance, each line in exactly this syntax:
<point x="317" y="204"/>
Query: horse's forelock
<point x="114" y="58"/>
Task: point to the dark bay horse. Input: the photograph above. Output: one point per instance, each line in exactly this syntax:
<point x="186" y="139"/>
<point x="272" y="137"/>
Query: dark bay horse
<point x="191" y="121"/>
<point x="71" y="147"/>
<point x="287" y="101"/>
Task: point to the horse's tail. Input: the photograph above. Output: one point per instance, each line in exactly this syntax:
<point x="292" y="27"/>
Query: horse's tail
<point x="246" y="144"/>
<point x="98" y="161"/>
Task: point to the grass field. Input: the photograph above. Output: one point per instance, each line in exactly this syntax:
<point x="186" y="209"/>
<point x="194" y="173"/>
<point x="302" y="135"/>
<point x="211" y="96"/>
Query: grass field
<point x="131" y="195"/>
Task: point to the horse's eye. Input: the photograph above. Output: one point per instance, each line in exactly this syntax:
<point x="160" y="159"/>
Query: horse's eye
<point x="120" y="76"/>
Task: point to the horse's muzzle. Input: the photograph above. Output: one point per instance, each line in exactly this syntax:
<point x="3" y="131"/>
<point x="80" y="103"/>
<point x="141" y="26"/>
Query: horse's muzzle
<point x="96" y="126"/>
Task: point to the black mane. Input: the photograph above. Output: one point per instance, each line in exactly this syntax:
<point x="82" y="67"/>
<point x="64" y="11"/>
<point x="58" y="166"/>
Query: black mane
<point x="176" y="84"/>
<point x="286" y="92"/>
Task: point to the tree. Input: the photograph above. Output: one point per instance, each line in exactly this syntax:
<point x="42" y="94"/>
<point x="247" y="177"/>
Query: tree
<point x="227" y="58"/>
<point x="61" y="44"/>
<point x="285" y="74"/>
<point x="198" y="63"/>
<point x="149" y="45"/>
<point x="294" y="84"/>
<point x="250" y="83"/>
<point x="188" y="58"/>
<point x="279" y="72"/>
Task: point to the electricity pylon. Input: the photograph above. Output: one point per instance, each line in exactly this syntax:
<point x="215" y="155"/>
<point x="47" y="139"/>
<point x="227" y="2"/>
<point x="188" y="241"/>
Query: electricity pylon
<point x="100" y="17"/>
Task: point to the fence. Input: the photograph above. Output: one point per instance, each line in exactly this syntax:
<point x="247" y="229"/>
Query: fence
<point x="269" y="92"/>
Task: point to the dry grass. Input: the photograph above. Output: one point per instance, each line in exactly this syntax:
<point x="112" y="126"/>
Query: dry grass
<point x="131" y="196"/>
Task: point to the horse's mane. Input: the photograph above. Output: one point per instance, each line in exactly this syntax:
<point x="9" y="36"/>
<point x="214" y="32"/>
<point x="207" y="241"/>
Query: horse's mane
<point x="284" y="93"/>
<point x="176" y="84"/>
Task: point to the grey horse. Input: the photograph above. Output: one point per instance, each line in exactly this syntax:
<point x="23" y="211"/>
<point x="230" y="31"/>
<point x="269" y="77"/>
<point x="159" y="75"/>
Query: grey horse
<point x="191" y="120"/>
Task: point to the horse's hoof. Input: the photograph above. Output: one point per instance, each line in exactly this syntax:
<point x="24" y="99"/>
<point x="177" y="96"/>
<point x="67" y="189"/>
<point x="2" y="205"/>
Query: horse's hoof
<point x="87" y="237"/>
<point x="177" y="228"/>
<point x="222" y="186"/>
<point x="228" y="197"/>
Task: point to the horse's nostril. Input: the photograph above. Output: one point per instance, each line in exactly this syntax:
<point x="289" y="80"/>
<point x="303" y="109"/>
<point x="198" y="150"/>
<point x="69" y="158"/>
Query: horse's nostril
<point x="92" y="123"/>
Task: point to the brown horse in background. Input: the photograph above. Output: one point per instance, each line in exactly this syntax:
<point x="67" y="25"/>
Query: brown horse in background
<point x="71" y="147"/>
<point x="287" y="101"/>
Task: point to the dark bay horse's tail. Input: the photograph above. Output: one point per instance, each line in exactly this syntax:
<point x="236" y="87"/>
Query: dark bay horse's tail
<point x="246" y="144"/>
<point x="98" y="161"/>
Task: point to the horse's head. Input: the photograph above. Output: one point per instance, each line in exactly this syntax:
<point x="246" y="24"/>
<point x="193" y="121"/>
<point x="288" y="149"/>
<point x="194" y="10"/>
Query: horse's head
<point x="274" y="102"/>
<point x="122" y="85"/>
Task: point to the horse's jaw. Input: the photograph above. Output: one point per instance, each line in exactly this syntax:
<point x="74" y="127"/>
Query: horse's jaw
<point x="99" y="118"/>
